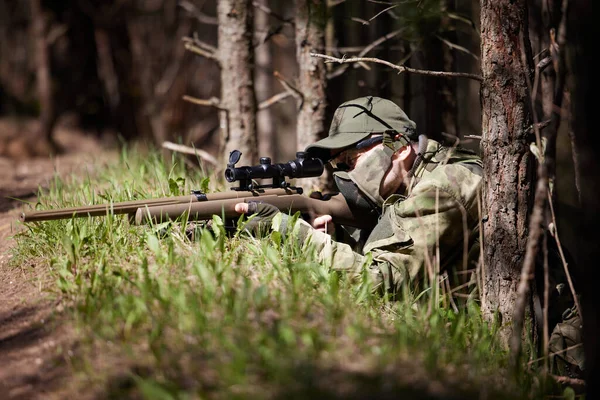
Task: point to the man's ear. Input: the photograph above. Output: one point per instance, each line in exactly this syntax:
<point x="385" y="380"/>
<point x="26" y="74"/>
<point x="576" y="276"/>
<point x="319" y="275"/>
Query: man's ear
<point x="405" y="152"/>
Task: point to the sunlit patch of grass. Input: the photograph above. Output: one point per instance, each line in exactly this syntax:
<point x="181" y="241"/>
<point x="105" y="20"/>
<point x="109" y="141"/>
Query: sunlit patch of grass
<point x="240" y="317"/>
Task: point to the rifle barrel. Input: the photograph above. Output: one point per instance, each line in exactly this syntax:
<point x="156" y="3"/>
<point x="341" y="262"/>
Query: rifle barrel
<point x="130" y="207"/>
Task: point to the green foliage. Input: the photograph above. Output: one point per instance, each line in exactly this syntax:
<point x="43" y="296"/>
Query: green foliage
<point x="231" y="316"/>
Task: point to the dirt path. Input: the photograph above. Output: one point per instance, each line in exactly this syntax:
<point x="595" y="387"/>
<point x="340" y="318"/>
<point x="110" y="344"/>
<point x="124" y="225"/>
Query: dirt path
<point x="36" y="340"/>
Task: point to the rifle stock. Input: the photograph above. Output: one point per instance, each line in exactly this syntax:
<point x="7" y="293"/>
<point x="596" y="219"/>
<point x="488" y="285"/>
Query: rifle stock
<point x="288" y="201"/>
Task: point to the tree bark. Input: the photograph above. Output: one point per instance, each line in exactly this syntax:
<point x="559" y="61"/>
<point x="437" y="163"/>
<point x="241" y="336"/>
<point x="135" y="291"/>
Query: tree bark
<point x="508" y="167"/>
<point x="311" y="20"/>
<point x="236" y="55"/>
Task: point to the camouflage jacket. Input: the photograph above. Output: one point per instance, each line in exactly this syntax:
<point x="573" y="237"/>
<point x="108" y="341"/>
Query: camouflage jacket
<point x="432" y="226"/>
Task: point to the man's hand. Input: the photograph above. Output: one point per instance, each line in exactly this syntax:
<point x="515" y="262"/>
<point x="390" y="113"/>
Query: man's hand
<point x="261" y="215"/>
<point x="241" y="208"/>
<point x="324" y="223"/>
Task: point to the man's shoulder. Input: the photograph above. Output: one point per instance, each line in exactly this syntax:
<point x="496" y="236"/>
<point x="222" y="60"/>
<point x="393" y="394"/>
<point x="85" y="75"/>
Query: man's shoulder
<point x="444" y="155"/>
<point x="459" y="175"/>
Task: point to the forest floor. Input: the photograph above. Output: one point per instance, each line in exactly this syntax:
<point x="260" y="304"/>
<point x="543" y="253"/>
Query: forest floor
<point x="36" y="339"/>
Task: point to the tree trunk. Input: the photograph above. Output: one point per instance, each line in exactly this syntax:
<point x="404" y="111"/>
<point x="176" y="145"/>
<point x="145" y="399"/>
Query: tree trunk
<point x="267" y="137"/>
<point x="448" y="86"/>
<point x="311" y="20"/>
<point x="236" y="56"/>
<point x="43" y="73"/>
<point x="508" y="167"/>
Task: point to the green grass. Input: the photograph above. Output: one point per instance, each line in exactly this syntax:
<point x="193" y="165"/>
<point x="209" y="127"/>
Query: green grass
<point x="163" y="317"/>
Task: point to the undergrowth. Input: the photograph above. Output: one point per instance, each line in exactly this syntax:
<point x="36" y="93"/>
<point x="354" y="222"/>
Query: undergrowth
<point x="227" y="316"/>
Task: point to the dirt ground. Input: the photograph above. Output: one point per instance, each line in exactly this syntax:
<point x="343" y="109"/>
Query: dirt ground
<point x="36" y="341"/>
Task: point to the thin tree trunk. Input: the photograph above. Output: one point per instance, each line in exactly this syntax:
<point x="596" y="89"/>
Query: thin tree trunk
<point x="267" y="138"/>
<point x="508" y="167"/>
<point x="237" y="81"/>
<point x="311" y="20"/>
<point x="106" y="69"/>
<point x="43" y="73"/>
<point x="448" y="87"/>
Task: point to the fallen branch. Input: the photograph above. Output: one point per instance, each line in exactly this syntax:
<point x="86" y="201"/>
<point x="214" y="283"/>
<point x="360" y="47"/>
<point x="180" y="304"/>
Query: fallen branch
<point x="192" y="151"/>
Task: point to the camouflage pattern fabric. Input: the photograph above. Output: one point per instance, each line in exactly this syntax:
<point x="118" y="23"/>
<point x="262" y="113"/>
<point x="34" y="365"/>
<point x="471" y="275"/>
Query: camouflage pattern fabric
<point x="438" y="209"/>
<point x="565" y="347"/>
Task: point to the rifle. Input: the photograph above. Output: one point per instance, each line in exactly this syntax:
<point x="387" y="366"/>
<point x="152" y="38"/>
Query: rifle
<point x="202" y="206"/>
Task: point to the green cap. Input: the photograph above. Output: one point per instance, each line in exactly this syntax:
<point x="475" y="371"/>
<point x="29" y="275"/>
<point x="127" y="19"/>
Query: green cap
<point x="355" y="120"/>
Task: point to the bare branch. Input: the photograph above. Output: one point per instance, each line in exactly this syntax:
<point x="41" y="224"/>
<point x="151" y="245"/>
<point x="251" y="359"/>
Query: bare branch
<point x="192" y="9"/>
<point x="539" y="125"/>
<point x="544" y="63"/>
<point x="399" y="68"/>
<point x="364" y="51"/>
<point x="383" y="11"/>
<point x="208" y="47"/>
<point x="355" y="49"/>
<point x="197" y="50"/>
<point x="192" y="151"/>
<point x="362" y="21"/>
<point x="212" y="102"/>
<point x="56" y="32"/>
<point x="531" y="362"/>
<point x="274" y="99"/>
<point x="554" y="233"/>
<point x="382" y="39"/>
<point x="289" y="87"/>
<point x="456" y="47"/>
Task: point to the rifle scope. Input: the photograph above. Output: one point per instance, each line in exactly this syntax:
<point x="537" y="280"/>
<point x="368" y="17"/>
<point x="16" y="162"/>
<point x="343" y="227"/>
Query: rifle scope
<point x="301" y="167"/>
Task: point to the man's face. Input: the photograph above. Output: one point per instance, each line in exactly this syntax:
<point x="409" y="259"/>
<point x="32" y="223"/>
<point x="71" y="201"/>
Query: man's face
<point x="393" y="178"/>
<point x="347" y="159"/>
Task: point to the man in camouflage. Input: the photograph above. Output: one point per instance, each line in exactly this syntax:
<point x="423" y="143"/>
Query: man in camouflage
<point x="423" y="198"/>
<point x="422" y="195"/>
